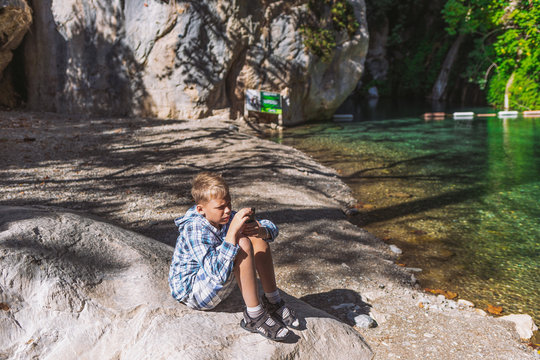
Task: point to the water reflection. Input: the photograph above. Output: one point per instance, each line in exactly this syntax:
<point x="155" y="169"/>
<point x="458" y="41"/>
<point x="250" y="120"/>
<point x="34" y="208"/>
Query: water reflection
<point x="461" y="197"/>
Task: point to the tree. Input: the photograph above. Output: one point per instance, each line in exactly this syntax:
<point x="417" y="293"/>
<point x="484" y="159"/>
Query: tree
<point x="507" y="56"/>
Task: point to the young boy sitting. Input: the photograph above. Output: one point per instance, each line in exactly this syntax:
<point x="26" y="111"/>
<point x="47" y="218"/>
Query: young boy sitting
<point x="217" y="247"/>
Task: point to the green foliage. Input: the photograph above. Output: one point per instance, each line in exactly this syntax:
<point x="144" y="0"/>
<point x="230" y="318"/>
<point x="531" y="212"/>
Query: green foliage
<point x="415" y="47"/>
<point x="343" y="17"/>
<point x="328" y="17"/>
<point x="507" y="37"/>
<point x="320" y="42"/>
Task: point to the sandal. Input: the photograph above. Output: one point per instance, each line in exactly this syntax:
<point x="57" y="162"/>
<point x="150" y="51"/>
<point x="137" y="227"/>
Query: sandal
<point x="278" y="310"/>
<point x="259" y="325"/>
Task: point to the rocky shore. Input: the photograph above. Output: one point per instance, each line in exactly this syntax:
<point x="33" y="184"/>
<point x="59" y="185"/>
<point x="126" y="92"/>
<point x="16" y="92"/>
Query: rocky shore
<point x="136" y="173"/>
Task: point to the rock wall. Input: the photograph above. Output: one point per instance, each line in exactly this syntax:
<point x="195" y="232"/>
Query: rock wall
<point x="72" y="287"/>
<point x="182" y="58"/>
<point x="15" y="20"/>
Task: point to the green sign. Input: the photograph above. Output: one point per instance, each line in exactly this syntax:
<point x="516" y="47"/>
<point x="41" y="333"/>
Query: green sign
<point x="270" y="103"/>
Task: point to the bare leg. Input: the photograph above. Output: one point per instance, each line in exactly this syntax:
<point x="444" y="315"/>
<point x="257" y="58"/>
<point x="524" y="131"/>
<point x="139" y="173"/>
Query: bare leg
<point x="244" y="271"/>
<point x="264" y="264"/>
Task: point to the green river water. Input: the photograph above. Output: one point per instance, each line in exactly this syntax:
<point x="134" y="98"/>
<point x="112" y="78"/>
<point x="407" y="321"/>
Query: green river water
<point x="460" y="198"/>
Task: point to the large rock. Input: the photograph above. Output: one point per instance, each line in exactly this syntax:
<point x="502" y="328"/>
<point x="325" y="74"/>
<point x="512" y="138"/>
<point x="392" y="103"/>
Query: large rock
<point x="15" y="20"/>
<point x="183" y="59"/>
<point x="72" y="287"/>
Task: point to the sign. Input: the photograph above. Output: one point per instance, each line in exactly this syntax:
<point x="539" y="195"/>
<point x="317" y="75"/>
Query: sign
<point x="263" y="101"/>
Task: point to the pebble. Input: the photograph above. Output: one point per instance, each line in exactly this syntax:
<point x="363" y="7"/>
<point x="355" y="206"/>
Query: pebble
<point x="396" y="250"/>
<point x="363" y="321"/>
<point x="465" y="303"/>
<point x="452" y="304"/>
<point x="480" y="312"/>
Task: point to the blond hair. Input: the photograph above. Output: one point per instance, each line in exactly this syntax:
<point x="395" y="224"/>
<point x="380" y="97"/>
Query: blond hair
<point x="207" y="186"/>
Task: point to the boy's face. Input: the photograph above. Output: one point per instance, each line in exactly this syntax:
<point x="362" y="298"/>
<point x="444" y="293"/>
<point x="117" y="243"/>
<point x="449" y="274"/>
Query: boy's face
<point x="217" y="211"/>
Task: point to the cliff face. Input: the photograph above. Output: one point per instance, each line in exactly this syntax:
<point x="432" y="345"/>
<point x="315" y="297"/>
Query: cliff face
<point x="183" y="59"/>
<point x="15" y="20"/>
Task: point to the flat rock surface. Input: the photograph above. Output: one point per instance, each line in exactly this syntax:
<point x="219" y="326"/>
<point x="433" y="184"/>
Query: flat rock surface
<point x="79" y="288"/>
<point x="136" y="173"/>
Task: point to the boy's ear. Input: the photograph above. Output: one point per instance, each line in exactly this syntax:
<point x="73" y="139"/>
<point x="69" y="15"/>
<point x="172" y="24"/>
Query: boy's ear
<point x="200" y="209"/>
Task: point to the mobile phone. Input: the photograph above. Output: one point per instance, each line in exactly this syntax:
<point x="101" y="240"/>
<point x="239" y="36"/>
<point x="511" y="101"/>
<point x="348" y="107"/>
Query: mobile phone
<point x="252" y="216"/>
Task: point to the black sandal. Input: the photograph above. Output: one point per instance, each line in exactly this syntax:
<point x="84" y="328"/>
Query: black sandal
<point x="276" y="310"/>
<point x="259" y="325"/>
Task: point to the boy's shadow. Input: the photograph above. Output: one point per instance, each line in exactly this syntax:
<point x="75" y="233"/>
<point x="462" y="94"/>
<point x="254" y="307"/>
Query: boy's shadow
<point x="343" y="304"/>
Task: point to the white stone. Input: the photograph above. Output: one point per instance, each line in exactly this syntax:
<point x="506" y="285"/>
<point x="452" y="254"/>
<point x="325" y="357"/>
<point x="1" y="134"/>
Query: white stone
<point x="364" y="321"/>
<point x="395" y="249"/>
<point x="524" y="324"/>
<point x="465" y="303"/>
<point x="480" y="312"/>
<point x="82" y="288"/>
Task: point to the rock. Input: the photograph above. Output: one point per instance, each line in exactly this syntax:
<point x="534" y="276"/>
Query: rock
<point x="376" y="61"/>
<point x="15" y="20"/>
<point x="451" y="304"/>
<point x="363" y="321"/>
<point x="395" y="249"/>
<point x="184" y="59"/>
<point x="462" y="303"/>
<point x="76" y="287"/>
<point x="524" y="324"/>
<point x="373" y="93"/>
<point x="480" y="312"/>
<point x="351" y="211"/>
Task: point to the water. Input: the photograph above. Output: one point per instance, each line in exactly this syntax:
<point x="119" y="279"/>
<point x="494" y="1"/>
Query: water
<point x="461" y="198"/>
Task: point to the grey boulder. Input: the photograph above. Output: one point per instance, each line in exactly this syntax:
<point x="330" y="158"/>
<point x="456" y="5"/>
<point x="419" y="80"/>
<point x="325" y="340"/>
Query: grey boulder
<point x="73" y="287"/>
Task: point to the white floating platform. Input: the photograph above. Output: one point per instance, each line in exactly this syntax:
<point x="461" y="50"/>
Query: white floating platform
<point x="507" y="114"/>
<point x="469" y="115"/>
<point x="343" y="117"/>
<point x="531" y="113"/>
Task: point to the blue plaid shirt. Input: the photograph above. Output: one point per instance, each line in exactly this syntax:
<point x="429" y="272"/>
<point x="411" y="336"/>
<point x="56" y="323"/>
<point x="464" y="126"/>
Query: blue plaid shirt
<point x="202" y="255"/>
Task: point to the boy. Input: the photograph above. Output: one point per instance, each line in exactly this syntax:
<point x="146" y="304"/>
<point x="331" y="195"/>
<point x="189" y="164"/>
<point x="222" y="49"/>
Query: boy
<point x="217" y="247"/>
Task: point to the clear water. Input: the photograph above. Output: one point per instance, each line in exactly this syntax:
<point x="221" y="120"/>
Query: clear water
<point x="461" y="198"/>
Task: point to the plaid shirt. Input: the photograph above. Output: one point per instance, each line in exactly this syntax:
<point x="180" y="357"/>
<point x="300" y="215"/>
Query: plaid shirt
<point x="203" y="261"/>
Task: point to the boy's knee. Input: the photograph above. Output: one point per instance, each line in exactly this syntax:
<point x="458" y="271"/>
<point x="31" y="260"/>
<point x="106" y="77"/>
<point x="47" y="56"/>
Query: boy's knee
<point x="246" y="245"/>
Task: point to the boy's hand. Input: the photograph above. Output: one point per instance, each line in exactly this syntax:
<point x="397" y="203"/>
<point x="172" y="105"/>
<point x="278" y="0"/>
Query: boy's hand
<point x="237" y="226"/>
<point x="252" y="229"/>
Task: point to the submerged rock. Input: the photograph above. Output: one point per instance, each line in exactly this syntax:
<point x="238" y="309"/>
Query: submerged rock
<point x="74" y="287"/>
